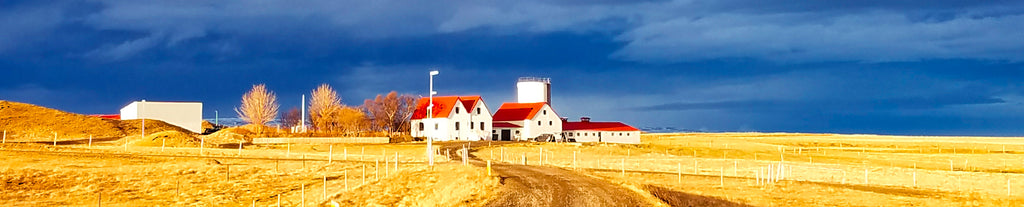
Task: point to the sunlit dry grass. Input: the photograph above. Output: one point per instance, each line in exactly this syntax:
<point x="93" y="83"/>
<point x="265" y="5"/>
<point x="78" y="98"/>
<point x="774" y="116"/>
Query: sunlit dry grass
<point x="980" y="167"/>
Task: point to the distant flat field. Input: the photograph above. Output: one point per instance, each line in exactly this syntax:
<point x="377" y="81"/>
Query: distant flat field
<point x="819" y="169"/>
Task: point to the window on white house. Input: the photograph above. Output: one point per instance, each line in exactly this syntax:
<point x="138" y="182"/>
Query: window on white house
<point x="421" y="126"/>
<point x="577" y="134"/>
<point x="620" y="133"/>
<point x="470" y="125"/>
<point x="627" y="134"/>
<point x="517" y="131"/>
<point x="551" y="123"/>
<point x="456" y="126"/>
<point x="545" y="112"/>
<point x="456" y="110"/>
<point x="478" y="110"/>
<point x="481" y="125"/>
<point x="436" y="126"/>
<point x="538" y="123"/>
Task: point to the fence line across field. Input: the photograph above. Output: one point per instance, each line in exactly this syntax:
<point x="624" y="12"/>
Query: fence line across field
<point x="776" y="170"/>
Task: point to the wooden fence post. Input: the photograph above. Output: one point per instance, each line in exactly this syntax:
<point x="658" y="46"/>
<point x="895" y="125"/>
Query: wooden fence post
<point x="90" y="139"/>
<point x="915" y="174"/>
<point x="239" y="148"/>
<point x="679" y="172"/>
<point x="330" y="154"/>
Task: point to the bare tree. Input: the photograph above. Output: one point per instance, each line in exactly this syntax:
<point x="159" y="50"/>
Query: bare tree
<point x="291" y="118"/>
<point x="259" y="106"/>
<point x="324" y="105"/>
<point x="390" y="112"/>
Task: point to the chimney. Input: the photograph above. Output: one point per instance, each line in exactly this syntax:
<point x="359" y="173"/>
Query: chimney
<point x="565" y="119"/>
<point x="584" y="119"/>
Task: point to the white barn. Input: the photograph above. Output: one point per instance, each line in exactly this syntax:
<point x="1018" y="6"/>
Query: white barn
<point x="454" y="118"/>
<point x="187" y="115"/>
<point x="523" y="121"/>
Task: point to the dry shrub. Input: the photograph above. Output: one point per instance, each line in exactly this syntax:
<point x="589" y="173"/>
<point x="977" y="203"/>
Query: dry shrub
<point x="259" y="106"/>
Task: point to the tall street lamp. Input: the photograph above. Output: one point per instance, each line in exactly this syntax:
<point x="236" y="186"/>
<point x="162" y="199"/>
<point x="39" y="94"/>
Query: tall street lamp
<point x="430" y="116"/>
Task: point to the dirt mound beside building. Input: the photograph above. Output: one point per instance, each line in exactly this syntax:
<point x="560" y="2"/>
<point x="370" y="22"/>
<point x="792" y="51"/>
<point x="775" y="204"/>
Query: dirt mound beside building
<point x="27" y="122"/>
<point x="230" y="135"/>
<point x="133" y="127"/>
<point x="168" y="139"/>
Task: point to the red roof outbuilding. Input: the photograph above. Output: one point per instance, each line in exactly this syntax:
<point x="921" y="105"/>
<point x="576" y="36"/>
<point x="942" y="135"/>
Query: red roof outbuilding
<point x="597" y="126"/>
<point x="517" y="111"/>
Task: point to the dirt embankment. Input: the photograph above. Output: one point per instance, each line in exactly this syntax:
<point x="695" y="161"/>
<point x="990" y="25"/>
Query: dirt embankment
<point x="27" y="123"/>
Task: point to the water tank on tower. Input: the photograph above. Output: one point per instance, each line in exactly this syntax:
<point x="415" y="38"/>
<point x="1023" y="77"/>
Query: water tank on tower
<point x="533" y="90"/>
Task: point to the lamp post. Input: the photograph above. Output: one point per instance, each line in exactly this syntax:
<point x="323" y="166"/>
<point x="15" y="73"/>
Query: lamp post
<point x="430" y="116"/>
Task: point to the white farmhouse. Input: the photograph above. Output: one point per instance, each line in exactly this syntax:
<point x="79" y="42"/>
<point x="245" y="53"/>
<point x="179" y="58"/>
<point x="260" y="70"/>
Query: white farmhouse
<point x="611" y="132"/>
<point x="523" y="121"/>
<point x="188" y="115"/>
<point x="454" y="118"/>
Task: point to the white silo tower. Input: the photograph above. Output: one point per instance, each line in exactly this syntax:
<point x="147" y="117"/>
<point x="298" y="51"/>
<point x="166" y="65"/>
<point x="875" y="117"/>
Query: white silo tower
<point x="533" y="90"/>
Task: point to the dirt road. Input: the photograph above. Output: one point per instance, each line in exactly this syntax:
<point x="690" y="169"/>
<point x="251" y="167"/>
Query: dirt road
<point x="526" y="185"/>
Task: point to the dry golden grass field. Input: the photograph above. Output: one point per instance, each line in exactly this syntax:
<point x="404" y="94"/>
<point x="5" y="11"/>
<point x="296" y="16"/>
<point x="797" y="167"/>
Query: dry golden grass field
<point x="107" y="175"/>
<point x="819" y="169"/>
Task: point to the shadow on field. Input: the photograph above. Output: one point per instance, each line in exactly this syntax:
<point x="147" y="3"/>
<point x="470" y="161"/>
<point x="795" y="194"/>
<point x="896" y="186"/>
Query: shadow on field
<point x="676" y="198"/>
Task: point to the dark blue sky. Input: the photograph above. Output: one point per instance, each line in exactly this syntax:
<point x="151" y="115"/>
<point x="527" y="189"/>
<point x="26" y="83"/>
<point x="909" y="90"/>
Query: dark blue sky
<point x="884" y="67"/>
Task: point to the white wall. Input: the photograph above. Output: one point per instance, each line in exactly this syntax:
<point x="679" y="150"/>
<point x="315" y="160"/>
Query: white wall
<point x="188" y="115"/>
<point x="475" y="132"/>
<point x="550" y="123"/>
<point x="461" y="116"/>
<point x="428" y="128"/>
<point x="622" y="137"/>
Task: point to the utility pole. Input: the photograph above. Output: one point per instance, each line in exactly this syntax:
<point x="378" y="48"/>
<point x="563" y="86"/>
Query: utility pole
<point x="430" y="116"/>
<point x="303" y="121"/>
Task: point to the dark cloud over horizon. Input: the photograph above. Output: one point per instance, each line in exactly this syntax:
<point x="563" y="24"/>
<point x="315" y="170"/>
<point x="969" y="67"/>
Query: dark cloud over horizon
<point x="897" y="67"/>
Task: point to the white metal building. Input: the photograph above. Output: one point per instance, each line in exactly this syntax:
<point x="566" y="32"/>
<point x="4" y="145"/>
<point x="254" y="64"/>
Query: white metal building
<point x="188" y="115"/>
<point x="454" y="118"/>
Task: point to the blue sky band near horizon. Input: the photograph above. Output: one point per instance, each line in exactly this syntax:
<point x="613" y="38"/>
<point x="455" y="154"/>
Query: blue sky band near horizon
<point x="945" y="67"/>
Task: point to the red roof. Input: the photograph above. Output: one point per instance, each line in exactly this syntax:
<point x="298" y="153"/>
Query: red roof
<point x="504" y="125"/>
<point x="597" y="126"/>
<point x="517" y="111"/>
<point x="443" y="105"/>
<point x="470" y="101"/>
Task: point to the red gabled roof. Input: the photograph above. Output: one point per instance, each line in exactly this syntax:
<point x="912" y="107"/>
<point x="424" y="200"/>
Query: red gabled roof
<point x="443" y="105"/>
<point x="517" y="111"/>
<point x="504" y="125"/>
<point x="470" y="101"/>
<point x="597" y="126"/>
